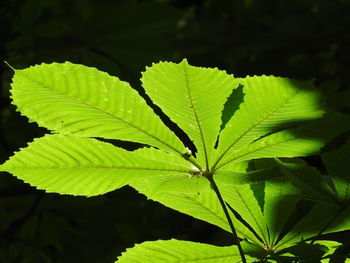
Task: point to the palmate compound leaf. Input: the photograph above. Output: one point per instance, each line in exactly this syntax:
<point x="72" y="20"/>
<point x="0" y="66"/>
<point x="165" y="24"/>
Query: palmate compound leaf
<point x="176" y="251"/>
<point x="85" y="166"/>
<point x="331" y="212"/>
<point x="270" y="104"/>
<point x="268" y="213"/>
<point x="193" y="97"/>
<point x="274" y="198"/>
<point x="74" y="99"/>
<point x="265" y="203"/>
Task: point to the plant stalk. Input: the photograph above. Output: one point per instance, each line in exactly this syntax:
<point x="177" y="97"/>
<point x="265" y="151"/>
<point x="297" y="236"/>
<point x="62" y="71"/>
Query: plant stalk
<point x="223" y="205"/>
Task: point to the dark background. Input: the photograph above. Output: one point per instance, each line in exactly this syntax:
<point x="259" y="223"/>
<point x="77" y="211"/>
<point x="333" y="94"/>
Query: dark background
<point x="296" y="38"/>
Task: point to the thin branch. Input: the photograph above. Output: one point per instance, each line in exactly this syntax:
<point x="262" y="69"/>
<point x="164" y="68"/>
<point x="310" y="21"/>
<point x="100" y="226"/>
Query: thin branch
<point x="239" y="218"/>
<point x="222" y="203"/>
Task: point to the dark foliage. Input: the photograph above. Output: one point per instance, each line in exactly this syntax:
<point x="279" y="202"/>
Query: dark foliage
<point x="293" y="38"/>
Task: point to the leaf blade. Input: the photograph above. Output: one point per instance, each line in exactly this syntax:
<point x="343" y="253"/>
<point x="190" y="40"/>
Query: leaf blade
<point x="242" y="199"/>
<point x="320" y="216"/>
<point x="338" y="167"/>
<point x="280" y="200"/>
<point x="270" y="103"/>
<point x="74" y="99"/>
<point x="178" y="251"/>
<point x="178" y="89"/>
<point x="202" y="205"/>
<point x="84" y="166"/>
<point x="297" y="141"/>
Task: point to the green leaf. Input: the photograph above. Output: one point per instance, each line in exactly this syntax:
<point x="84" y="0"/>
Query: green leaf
<point x="230" y="121"/>
<point x="308" y="252"/>
<point x="269" y="193"/>
<point x="338" y="167"/>
<point x="337" y="252"/>
<point x="341" y="254"/>
<point x="254" y="250"/>
<point x="331" y="245"/>
<point x="280" y="200"/>
<point x="74" y="99"/>
<point x="309" y="180"/>
<point x="301" y="140"/>
<point x="175" y="251"/>
<point x="193" y="97"/>
<point x="186" y="184"/>
<point x="202" y="204"/>
<point x="327" y="217"/>
<point x="84" y="166"/>
<point x="282" y="144"/>
<point x="270" y="103"/>
<point x="242" y="199"/>
<point x="256" y="176"/>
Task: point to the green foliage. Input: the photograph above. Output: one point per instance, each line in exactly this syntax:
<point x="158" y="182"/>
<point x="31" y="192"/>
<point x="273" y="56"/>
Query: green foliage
<point x="88" y="103"/>
<point x="84" y="166"/>
<point x="272" y="117"/>
<point x="179" y="251"/>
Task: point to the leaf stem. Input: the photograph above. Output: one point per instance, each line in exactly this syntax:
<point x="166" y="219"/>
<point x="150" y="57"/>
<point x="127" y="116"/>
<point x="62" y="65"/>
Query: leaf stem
<point x="223" y="205"/>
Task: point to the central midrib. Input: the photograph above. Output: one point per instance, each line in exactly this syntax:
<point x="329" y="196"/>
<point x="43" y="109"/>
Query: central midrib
<point x="196" y="117"/>
<point x="103" y="167"/>
<point x="190" y="259"/>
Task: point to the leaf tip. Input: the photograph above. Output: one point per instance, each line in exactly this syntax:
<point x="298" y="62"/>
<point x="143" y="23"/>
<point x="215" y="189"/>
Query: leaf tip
<point x="184" y="61"/>
<point x="3" y="167"/>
